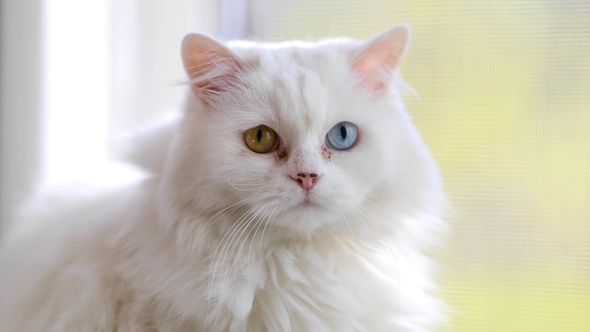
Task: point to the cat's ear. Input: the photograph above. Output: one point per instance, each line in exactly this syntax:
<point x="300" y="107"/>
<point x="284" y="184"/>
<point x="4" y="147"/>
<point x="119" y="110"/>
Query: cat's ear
<point x="210" y="65"/>
<point x="378" y="59"/>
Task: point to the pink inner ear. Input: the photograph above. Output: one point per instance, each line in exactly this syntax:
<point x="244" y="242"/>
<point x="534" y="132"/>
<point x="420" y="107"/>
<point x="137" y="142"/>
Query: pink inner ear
<point x="376" y="64"/>
<point x="368" y="79"/>
<point x="212" y="77"/>
<point x="382" y="54"/>
<point x="211" y="67"/>
<point x="375" y="67"/>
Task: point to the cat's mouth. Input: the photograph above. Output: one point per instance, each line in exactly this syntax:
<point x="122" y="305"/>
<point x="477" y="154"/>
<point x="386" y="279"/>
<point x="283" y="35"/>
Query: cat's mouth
<point x="307" y="204"/>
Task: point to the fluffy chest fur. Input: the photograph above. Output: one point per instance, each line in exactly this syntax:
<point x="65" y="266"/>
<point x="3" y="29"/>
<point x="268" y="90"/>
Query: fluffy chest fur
<point x="324" y="284"/>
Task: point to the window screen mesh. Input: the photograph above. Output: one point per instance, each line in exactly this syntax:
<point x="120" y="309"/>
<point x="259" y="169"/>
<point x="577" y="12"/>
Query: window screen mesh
<point x="505" y="108"/>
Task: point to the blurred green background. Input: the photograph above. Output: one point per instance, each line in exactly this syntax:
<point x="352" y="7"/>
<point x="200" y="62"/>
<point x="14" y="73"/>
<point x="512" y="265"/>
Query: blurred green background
<point x="505" y="108"/>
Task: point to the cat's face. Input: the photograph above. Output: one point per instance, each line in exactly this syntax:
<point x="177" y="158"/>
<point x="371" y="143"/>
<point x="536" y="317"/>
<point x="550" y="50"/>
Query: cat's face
<point x="326" y="152"/>
<point x="303" y="135"/>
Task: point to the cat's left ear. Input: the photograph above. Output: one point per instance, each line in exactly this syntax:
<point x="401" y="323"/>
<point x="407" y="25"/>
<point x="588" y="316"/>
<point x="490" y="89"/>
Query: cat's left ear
<point x="377" y="61"/>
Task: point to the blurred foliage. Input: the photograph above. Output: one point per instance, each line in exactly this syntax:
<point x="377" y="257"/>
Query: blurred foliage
<point x="505" y="108"/>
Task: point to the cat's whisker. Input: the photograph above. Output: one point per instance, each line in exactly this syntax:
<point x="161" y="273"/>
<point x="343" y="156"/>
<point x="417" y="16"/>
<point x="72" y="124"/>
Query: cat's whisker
<point x="232" y="181"/>
<point x="265" y="221"/>
<point x="244" y="227"/>
<point x="215" y="258"/>
<point x="234" y="229"/>
<point x="335" y="208"/>
<point x="247" y="235"/>
<point x="228" y="210"/>
<point x="226" y="240"/>
<point x="347" y="224"/>
<point x="255" y="229"/>
<point x="234" y="241"/>
<point x="222" y="213"/>
<point x="239" y="227"/>
<point x="264" y="229"/>
<point x="238" y="189"/>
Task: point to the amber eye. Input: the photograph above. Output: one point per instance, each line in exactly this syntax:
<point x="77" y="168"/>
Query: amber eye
<point x="261" y="139"/>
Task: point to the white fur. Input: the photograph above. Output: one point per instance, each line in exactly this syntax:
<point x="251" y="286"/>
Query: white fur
<point x="216" y="239"/>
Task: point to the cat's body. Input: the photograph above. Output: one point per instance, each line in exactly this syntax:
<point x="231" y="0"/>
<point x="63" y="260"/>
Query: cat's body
<point x="303" y="237"/>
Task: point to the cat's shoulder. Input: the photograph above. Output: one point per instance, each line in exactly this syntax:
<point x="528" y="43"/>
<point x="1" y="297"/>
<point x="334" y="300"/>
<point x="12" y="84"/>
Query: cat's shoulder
<point x="57" y="265"/>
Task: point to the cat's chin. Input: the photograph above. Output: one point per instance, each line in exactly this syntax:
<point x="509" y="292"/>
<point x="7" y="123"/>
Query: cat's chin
<point x="305" y="215"/>
<point x="307" y="204"/>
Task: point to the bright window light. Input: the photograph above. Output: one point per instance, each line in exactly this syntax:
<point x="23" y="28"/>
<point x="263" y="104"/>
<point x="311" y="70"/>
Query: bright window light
<point x="76" y="98"/>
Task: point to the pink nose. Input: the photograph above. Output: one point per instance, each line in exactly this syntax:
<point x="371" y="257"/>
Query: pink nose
<point x="305" y="180"/>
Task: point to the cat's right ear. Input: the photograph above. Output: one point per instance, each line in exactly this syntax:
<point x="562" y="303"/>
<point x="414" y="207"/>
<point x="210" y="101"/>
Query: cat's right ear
<point x="210" y="65"/>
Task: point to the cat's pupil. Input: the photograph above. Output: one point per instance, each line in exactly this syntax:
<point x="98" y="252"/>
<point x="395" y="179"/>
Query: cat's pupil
<point x="343" y="132"/>
<point x="259" y="135"/>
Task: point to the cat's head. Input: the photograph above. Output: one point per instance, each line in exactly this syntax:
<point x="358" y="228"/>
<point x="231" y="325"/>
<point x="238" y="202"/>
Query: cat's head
<point x="302" y="136"/>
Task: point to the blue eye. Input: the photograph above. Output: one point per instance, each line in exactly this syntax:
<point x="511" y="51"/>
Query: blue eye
<point x="342" y="136"/>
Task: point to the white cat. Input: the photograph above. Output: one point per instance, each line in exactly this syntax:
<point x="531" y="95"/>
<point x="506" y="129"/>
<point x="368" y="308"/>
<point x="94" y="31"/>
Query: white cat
<point x="293" y="194"/>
